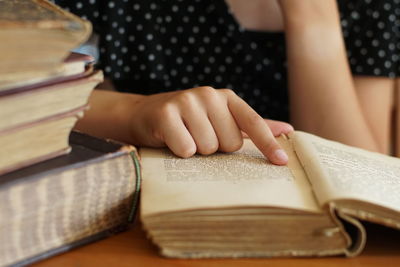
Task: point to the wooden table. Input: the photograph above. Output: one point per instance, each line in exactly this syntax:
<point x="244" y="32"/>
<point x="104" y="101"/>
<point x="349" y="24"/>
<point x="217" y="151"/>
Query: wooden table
<point x="131" y="248"/>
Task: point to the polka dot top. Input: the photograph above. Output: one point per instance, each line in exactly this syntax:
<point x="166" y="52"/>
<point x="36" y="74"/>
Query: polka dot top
<point x="151" y="46"/>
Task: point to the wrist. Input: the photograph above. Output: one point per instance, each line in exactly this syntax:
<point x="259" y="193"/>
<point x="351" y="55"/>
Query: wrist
<point x="125" y="112"/>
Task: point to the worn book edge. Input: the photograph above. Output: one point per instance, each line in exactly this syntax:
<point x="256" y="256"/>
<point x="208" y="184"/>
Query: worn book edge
<point x="89" y="75"/>
<point x="359" y="239"/>
<point x="357" y="242"/>
<point x="61" y="19"/>
<point x="77" y="113"/>
<point x="75" y="66"/>
<point x="99" y="236"/>
<point x="79" y="137"/>
<point x="50" y="38"/>
<point x="353" y="215"/>
<point x="124" y="149"/>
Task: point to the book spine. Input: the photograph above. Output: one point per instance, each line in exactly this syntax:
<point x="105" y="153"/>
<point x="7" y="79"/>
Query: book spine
<point x="135" y="199"/>
<point x="99" y="236"/>
<point x="63" y="210"/>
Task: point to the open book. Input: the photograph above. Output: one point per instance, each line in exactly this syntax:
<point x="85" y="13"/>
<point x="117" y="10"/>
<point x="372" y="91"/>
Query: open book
<point x="239" y="205"/>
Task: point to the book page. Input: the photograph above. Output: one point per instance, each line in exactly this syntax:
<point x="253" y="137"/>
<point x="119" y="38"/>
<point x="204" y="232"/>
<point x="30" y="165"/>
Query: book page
<point x="222" y="180"/>
<point x="337" y="171"/>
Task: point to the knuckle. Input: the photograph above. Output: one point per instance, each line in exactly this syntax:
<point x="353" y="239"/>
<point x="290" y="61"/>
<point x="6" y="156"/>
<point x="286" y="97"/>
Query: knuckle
<point x="185" y="97"/>
<point x="207" y="91"/>
<point x="162" y="115"/>
<point x="232" y="146"/>
<point x="186" y="149"/>
<point x="228" y="92"/>
<point x="164" y="112"/>
<point x="184" y="154"/>
<point x="189" y="99"/>
<point x="208" y="149"/>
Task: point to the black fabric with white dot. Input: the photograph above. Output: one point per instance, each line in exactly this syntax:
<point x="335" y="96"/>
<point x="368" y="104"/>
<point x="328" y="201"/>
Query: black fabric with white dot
<point x="162" y="45"/>
<point x="372" y="33"/>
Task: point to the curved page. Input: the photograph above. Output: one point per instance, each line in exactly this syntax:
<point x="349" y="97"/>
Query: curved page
<point x="337" y="171"/>
<point x="222" y="180"/>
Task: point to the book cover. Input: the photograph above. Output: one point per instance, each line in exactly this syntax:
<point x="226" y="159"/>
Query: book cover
<point x="74" y="66"/>
<point x="37" y="141"/>
<point x="27" y="104"/>
<point x="37" y="34"/>
<point x="53" y="206"/>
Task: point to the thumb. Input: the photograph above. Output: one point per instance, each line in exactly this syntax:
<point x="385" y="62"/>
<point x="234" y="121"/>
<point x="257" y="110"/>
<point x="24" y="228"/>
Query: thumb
<point x="277" y="128"/>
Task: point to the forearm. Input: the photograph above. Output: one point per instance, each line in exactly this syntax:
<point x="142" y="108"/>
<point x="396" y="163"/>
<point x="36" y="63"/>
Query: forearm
<point x="322" y="94"/>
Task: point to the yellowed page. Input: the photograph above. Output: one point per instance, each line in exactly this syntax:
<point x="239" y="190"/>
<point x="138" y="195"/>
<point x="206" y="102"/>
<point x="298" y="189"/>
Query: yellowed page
<point x="239" y="179"/>
<point x="337" y="171"/>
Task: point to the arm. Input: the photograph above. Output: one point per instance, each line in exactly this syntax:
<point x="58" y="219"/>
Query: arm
<point x="324" y="97"/>
<point x="201" y="120"/>
<point x="375" y="95"/>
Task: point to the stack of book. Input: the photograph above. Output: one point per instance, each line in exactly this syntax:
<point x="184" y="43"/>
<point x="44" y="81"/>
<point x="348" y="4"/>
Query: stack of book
<point x="58" y="188"/>
<point x="43" y="89"/>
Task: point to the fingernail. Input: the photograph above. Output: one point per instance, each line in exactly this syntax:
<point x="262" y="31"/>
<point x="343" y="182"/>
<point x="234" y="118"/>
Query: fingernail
<point x="281" y="155"/>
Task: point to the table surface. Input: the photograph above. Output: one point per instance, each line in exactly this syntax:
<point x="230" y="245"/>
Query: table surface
<point x="132" y="248"/>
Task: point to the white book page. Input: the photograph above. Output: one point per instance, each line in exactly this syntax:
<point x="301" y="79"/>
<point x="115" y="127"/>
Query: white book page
<point x="222" y="180"/>
<point x="337" y="171"/>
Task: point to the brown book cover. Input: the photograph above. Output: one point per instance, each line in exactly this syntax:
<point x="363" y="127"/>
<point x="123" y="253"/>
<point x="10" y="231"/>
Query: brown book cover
<point x="37" y="141"/>
<point x="27" y="104"/>
<point x="54" y="206"/>
<point x="76" y="65"/>
<point x="37" y="34"/>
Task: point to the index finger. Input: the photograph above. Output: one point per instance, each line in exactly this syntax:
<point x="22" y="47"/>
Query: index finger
<point x="258" y="131"/>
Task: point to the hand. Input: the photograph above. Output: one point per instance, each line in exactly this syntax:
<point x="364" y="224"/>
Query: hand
<point x="203" y="120"/>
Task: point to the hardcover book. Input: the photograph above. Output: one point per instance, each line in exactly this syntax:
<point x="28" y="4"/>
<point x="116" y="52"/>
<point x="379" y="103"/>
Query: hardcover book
<point x="38" y="141"/>
<point x="36" y="34"/>
<point x="54" y="206"/>
<point x="22" y="105"/>
<point x="73" y="66"/>
<point x="239" y="205"/>
<point x="36" y="119"/>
